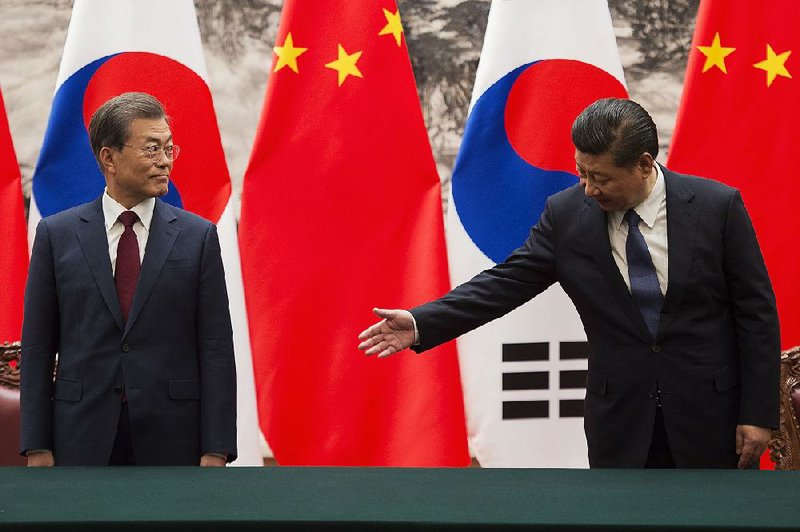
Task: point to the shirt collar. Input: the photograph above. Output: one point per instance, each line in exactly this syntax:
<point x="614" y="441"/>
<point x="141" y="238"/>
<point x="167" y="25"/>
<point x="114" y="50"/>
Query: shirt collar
<point x="112" y="210"/>
<point x="648" y="209"/>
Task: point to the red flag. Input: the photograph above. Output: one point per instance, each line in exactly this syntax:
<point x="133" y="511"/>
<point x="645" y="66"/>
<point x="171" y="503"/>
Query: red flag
<point x="737" y="124"/>
<point x="14" y="264"/>
<point x="341" y="212"/>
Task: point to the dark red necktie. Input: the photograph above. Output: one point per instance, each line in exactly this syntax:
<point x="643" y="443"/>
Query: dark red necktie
<point x="128" y="265"/>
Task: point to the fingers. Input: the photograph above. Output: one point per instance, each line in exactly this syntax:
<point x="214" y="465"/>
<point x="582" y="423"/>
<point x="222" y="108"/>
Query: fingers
<point x="739" y="439"/>
<point x="741" y="449"/>
<point x="379" y="347"/>
<point x="376" y="341"/>
<point x="210" y="460"/>
<point x="747" y="457"/>
<point x="41" y="459"/>
<point x="387" y="352"/>
<point x="383" y="348"/>
<point x="371" y="331"/>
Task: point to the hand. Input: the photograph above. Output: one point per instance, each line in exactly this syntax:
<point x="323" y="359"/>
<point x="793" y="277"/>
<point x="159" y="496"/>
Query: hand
<point x="41" y="459"/>
<point x="751" y="441"/>
<point x="393" y="333"/>
<point x="212" y="460"/>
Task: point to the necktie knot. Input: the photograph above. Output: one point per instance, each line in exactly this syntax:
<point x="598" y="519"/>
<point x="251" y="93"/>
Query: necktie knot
<point x="128" y="218"/>
<point x="632" y="217"/>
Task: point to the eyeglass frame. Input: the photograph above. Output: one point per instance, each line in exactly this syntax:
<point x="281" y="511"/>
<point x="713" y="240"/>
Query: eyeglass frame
<point x="154" y="152"/>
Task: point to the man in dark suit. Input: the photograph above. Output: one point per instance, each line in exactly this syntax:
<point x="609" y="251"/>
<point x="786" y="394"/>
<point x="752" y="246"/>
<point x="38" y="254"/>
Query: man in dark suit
<point x="667" y="276"/>
<point x="130" y="293"/>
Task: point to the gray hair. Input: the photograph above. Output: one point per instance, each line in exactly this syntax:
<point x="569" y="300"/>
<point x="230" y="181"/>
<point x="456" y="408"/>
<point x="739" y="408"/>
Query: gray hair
<point x="617" y="126"/>
<point x="111" y="123"/>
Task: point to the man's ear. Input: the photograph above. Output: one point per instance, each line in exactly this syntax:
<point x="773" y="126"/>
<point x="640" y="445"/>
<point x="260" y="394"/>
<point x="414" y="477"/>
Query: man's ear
<point x="106" y="157"/>
<point x="645" y="165"/>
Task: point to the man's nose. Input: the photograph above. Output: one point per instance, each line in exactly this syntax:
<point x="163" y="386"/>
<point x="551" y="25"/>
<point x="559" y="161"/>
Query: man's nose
<point x="589" y="189"/>
<point x="163" y="160"/>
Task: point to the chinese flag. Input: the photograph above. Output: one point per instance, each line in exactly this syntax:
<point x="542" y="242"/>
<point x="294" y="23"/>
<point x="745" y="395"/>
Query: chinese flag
<point x="14" y="262"/>
<point x="737" y="124"/>
<point x="340" y="213"/>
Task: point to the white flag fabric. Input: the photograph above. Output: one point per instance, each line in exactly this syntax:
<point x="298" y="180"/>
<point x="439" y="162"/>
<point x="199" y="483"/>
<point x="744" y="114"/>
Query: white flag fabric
<point x="149" y="46"/>
<point x="543" y="62"/>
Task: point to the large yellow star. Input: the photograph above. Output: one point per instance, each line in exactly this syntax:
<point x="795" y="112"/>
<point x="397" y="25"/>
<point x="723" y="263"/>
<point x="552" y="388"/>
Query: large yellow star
<point x="715" y="54"/>
<point x="345" y="65"/>
<point x="393" y="25"/>
<point x="288" y="54"/>
<point x="774" y="65"/>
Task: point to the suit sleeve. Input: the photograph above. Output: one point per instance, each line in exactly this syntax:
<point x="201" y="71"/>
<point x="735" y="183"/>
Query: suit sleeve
<point x="527" y="272"/>
<point x="40" y="343"/>
<point x="755" y="317"/>
<point x="217" y="363"/>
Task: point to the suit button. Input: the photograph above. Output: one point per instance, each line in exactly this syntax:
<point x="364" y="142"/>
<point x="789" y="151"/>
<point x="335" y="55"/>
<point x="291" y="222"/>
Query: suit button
<point x="117" y="390"/>
<point x="125" y="348"/>
<point x="656" y="348"/>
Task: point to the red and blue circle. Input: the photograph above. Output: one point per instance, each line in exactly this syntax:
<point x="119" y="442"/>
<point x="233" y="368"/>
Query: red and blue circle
<point x="67" y="174"/>
<point x="517" y="149"/>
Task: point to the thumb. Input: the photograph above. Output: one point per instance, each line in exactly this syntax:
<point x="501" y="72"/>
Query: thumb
<point x="739" y="440"/>
<point x="384" y="313"/>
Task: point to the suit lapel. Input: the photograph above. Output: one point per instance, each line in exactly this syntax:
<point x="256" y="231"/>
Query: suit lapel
<point x="162" y="236"/>
<point x="93" y="240"/>
<point x="682" y="220"/>
<point x="595" y="227"/>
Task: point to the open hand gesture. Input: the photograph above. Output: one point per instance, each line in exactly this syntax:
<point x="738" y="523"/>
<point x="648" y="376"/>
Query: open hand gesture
<point x="393" y="333"/>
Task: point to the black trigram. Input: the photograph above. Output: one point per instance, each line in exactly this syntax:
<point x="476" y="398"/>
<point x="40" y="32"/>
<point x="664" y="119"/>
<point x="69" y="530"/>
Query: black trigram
<point x="540" y="380"/>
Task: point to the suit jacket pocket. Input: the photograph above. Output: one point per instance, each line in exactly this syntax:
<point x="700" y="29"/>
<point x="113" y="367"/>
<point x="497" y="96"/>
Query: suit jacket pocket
<point x="67" y="390"/>
<point x="596" y="384"/>
<point x="726" y="378"/>
<point x="184" y="389"/>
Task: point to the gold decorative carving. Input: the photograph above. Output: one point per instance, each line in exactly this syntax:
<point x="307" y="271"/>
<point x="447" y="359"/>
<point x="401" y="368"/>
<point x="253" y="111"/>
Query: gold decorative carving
<point x="784" y="447"/>
<point x="9" y="364"/>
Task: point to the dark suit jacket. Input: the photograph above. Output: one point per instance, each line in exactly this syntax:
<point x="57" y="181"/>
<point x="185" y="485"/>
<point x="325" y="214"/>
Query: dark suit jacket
<point x="173" y="359"/>
<point x="716" y="356"/>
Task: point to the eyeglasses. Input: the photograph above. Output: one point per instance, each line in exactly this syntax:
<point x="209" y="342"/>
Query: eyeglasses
<point x="154" y="152"/>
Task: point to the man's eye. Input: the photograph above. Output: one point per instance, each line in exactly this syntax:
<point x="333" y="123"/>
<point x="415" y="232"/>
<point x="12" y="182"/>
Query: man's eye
<point x="151" y="149"/>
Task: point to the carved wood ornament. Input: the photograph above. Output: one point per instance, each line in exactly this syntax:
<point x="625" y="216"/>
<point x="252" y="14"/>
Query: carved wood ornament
<point x="9" y="364"/>
<point x="784" y="447"/>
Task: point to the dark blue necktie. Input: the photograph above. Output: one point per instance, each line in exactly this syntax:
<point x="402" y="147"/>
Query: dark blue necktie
<point x="644" y="280"/>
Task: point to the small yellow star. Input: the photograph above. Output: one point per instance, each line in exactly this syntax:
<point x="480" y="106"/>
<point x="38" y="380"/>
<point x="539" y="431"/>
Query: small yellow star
<point x="715" y="54"/>
<point x="393" y="25"/>
<point x="288" y="54"/>
<point x="345" y="65"/>
<point x="774" y="65"/>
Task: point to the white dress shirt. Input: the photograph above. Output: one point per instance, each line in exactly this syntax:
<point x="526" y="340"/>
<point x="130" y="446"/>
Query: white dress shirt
<point x="115" y="228"/>
<point x="653" y="211"/>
